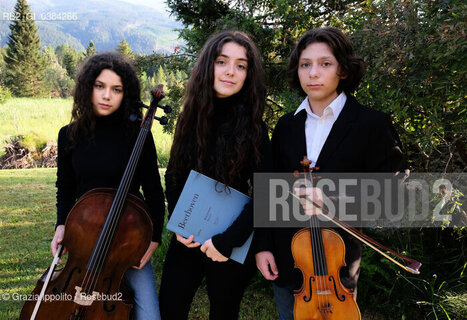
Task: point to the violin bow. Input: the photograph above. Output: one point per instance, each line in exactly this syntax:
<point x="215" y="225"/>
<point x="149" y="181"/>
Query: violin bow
<point x="414" y="265"/>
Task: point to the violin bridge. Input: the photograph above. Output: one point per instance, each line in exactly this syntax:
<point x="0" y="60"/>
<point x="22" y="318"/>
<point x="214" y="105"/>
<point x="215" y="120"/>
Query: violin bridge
<point x="84" y="299"/>
<point x="323" y="292"/>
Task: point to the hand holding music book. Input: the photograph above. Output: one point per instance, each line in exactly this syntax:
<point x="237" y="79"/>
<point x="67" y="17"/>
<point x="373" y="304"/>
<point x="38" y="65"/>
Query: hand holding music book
<point x="205" y="208"/>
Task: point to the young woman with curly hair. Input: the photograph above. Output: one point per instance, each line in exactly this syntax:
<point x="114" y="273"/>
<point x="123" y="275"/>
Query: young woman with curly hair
<point x="93" y="152"/>
<point x="219" y="133"/>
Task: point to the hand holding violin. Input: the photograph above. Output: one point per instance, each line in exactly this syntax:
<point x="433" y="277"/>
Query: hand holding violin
<point x="313" y="202"/>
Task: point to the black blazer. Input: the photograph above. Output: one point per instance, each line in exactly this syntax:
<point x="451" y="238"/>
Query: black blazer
<point x="361" y="140"/>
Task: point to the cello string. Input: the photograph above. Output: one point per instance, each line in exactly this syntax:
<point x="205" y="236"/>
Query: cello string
<point x="104" y="247"/>
<point x="139" y="144"/>
<point x="103" y="243"/>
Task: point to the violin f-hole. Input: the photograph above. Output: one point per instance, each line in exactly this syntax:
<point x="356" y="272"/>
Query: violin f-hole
<point x="310" y="288"/>
<point x="331" y="278"/>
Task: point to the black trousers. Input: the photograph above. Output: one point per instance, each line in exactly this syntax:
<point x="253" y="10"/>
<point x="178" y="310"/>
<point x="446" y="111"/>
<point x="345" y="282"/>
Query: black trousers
<point x="183" y="271"/>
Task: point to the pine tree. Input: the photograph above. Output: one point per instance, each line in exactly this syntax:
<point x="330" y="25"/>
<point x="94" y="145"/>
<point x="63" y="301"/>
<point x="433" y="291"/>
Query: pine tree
<point x="58" y="82"/>
<point x="70" y="61"/>
<point x="25" y="65"/>
<point x="90" y="49"/>
<point x="160" y="77"/>
<point x="124" y="48"/>
<point x="68" y="58"/>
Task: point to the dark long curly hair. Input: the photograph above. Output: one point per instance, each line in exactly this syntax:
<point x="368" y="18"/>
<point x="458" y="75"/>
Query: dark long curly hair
<point x="351" y="66"/>
<point x="83" y="119"/>
<point x="238" y="151"/>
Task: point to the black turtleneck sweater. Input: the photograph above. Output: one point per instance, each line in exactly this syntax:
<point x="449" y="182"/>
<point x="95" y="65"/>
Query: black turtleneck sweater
<point x="240" y="230"/>
<point x="101" y="162"/>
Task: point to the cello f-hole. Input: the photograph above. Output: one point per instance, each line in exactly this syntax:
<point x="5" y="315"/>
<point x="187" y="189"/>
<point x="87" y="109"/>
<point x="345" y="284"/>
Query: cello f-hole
<point x="108" y="308"/>
<point x="67" y="282"/>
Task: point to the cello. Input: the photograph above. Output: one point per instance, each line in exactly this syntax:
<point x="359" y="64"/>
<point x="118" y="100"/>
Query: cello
<point x="320" y="254"/>
<point x="106" y="232"/>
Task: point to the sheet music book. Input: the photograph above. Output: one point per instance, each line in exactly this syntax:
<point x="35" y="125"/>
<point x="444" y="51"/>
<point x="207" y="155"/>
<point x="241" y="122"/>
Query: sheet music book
<point x="205" y="209"/>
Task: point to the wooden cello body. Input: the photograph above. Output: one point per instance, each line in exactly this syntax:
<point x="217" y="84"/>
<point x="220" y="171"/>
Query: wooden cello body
<point x="106" y="232"/>
<point x="85" y="222"/>
<point x="320" y="254"/>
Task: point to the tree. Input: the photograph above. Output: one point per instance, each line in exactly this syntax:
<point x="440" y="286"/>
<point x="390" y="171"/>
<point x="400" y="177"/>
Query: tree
<point x="125" y="49"/>
<point x="274" y="25"/>
<point x="422" y="88"/>
<point x="415" y="52"/>
<point x="160" y="77"/>
<point x="57" y="80"/>
<point x="68" y="58"/>
<point x="25" y="64"/>
<point x="90" y="49"/>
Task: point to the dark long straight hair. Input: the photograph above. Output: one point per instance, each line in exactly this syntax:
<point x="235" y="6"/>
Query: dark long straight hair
<point x="239" y="151"/>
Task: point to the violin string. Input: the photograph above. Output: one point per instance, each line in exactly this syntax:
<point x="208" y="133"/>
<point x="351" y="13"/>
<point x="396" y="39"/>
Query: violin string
<point x="320" y="254"/>
<point x="323" y="264"/>
<point x="315" y="249"/>
<point x="319" y="249"/>
<point x="317" y="260"/>
<point x="99" y="259"/>
<point x="313" y="242"/>
<point x="316" y="267"/>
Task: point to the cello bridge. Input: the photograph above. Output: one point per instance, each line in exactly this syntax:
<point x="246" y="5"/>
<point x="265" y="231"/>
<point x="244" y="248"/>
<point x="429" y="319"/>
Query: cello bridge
<point x="84" y="299"/>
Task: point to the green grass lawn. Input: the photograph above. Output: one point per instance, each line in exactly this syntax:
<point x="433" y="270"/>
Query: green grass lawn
<point x="40" y="119"/>
<point x="27" y="220"/>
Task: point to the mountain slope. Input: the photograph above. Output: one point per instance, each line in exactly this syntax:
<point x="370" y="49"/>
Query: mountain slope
<point x="106" y="22"/>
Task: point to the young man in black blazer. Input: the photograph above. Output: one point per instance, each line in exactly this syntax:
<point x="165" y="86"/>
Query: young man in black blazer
<point x="337" y="134"/>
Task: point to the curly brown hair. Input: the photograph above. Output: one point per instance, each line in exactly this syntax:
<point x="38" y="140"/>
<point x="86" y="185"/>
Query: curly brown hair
<point x="83" y="118"/>
<point x="351" y="66"/>
<point x="238" y="152"/>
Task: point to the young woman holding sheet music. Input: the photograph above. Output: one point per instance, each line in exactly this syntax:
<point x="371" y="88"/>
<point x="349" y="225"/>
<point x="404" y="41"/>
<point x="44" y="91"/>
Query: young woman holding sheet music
<point x="220" y="134"/>
<point x="93" y="151"/>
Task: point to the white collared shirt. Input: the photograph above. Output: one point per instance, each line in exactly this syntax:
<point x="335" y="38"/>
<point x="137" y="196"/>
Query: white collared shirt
<point x="317" y="128"/>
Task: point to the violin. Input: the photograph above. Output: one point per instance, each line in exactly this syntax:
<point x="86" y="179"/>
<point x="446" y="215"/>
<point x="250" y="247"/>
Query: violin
<point x="106" y="232"/>
<point x="320" y="253"/>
